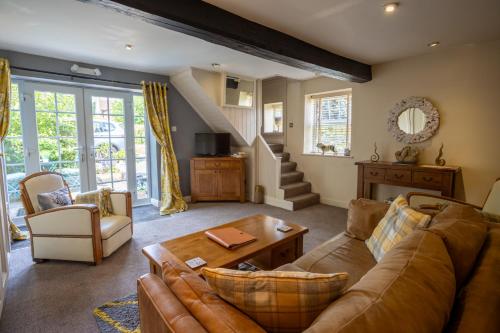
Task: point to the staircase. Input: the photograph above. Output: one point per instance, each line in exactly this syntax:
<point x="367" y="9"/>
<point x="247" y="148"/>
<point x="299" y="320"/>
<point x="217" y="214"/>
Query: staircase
<point x="296" y="190"/>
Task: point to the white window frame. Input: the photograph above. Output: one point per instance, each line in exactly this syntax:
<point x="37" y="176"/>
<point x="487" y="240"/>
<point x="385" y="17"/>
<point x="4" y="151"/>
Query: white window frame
<point x="309" y="147"/>
<point x="282" y="117"/>
<point x="28" y="123"/>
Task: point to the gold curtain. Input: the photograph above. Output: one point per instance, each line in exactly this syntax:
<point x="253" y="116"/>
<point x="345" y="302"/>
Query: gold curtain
<point x="15" y="232"/>
<point x="155" y="97"/>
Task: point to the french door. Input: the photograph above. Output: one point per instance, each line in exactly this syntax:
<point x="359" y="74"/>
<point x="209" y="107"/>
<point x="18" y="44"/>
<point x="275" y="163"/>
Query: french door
<point x="95" y="138"/>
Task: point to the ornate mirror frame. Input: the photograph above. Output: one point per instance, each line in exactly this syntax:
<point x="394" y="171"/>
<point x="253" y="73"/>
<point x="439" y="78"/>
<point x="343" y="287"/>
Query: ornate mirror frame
<point x="431" y="120"/>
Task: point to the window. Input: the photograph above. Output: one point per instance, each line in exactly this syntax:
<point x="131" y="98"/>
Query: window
<point x="273" y="117"/>
<point x="328" y="123"/>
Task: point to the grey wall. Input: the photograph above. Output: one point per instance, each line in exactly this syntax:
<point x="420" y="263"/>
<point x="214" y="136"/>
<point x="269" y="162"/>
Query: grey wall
<point x="181" y="114"/>
<point x="187" y="122"/>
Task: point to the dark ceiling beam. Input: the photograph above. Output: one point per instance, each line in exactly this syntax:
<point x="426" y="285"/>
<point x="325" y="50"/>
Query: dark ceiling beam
<point x="218" y="26"/>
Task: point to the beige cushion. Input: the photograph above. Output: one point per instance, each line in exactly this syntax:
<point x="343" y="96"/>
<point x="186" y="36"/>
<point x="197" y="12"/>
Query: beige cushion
<point x="477" y="308"/>
<point x="463" y="240"/>
<point x="398" y="222"/>
<point x="340" y="254"/>
<point x="112" y="224"/>
<point x="42" y="184"/>
<point x="410" y="290"/>
<point x="363" y="216"/>
<point x="279" y="301"/>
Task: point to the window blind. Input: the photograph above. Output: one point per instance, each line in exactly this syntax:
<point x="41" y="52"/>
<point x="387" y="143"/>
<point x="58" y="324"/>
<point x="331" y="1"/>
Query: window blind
<point x="331" y="123"/>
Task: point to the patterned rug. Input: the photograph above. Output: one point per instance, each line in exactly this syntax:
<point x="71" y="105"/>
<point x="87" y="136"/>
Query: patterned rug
<point x="122" y="314"/>
<point x="119" y="316"/>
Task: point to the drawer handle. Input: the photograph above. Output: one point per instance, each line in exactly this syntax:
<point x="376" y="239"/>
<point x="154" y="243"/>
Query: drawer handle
<point x="427" y="179"/>
<point x="374" y="173"/>
<point x="398" y="176"/>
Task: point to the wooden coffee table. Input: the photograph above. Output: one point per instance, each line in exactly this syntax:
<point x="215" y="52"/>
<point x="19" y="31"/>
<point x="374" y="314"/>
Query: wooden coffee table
<point x="272" y="248"/>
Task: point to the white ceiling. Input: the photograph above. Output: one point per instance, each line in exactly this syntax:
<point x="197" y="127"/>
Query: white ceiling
<point x="72" y="30"/>
<point x="359" y="29"/>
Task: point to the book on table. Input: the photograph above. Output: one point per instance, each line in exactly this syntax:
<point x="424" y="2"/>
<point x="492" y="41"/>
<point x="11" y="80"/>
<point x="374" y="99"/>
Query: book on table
<point x="230" y="238"/>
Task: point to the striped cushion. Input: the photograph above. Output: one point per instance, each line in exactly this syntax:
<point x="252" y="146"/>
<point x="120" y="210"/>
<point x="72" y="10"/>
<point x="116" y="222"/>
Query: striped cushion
<point x="278" y="301"/>
<point x="399" y="221"/>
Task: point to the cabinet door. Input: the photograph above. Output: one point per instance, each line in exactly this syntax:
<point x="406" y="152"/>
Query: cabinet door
<point x="206" y="184"/>
<point x="229" y="184"/>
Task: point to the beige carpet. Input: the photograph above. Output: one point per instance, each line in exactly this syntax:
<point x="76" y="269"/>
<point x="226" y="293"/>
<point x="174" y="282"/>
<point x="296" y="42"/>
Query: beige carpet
<point x="59" y="296"/>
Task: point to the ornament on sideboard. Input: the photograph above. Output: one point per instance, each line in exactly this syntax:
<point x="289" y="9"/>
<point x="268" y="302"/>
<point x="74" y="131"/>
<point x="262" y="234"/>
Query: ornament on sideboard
<point x="407" y="155"/>
<point x="375" y="157"/>
<point x="324" y="148"/>
<point x="439" y="160"/>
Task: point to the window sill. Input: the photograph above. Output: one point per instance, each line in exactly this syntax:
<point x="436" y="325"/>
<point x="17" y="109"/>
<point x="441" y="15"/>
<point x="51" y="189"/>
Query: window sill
<point x="327" y="155"/>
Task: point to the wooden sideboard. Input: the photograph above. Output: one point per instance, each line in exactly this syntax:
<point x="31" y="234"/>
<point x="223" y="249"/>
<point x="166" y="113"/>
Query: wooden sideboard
<point x="217" y="179"/>
<point x="428" y="177"/>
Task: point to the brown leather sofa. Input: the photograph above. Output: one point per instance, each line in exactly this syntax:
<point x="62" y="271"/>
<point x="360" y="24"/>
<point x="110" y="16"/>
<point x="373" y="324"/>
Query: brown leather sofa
<point x="444" y="278"/>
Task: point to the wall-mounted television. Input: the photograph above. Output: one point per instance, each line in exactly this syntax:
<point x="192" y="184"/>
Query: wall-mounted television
<point x="212" y="144"/>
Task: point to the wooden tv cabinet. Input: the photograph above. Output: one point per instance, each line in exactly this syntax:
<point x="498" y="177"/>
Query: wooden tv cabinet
<point x="217" y="179"/>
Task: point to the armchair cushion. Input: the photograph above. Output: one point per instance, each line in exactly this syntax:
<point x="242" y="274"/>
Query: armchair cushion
<point x="110" y="225"/>
<point x="39" y="183"/>
<point x="57" y="198"/>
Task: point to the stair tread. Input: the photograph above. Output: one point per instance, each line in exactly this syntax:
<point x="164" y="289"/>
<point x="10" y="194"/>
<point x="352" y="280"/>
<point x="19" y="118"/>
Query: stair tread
<point x="288" y="163"/>
<point x="291" y="173"/>
<point x="294" y="185"/>
<point x="303" y="196"/>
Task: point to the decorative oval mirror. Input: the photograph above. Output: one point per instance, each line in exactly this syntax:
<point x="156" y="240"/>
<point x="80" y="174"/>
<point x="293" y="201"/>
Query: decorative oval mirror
<point x="413" y="120"/>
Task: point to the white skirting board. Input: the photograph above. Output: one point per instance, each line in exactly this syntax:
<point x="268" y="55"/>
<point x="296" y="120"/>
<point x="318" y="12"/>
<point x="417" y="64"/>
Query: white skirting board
<point x="268" y="200"/>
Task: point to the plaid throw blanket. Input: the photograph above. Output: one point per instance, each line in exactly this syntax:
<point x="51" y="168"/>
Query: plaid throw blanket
<point x="101" y="198"/>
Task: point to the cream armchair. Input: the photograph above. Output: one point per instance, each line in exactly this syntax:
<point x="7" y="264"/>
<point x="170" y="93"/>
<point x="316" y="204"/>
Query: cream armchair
<point x="74" y="232"/>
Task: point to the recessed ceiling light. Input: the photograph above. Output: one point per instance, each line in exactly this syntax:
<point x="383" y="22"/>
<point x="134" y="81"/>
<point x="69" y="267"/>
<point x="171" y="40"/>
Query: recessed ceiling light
<point x="391" y="7"/>
<point x="129" y="47"/>
<point x="433" y="44"/>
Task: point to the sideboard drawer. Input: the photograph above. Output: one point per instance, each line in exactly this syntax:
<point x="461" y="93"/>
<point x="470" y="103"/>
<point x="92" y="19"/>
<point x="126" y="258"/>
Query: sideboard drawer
<point x="375" y="173"/>
<point x="398" y="175"/>
<point x="216" y="164"/>
<point x="427" y="178"/>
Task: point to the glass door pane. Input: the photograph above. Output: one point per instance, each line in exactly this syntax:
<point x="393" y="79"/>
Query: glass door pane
<point x="140" y="150"/>
<point x="107" y="139"/>
<point x="59" y="139"/>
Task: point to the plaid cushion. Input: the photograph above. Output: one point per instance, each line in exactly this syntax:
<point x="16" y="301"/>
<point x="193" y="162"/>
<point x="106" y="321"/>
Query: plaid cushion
<point x="278" y="301"/>
<point x="399" y="221"/>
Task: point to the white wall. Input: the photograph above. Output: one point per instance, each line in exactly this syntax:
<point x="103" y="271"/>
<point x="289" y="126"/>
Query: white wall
<point x="243" y="120"/>
<point x="462" y="82"/>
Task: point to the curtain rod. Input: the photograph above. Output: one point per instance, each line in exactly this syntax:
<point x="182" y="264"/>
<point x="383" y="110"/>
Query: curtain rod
<point x="74" y="76"/>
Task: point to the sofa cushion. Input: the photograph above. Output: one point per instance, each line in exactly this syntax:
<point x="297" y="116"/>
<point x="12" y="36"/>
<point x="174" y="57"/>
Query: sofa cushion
<point x="363" y="216"/>
<point x="398" y="222"/>
<point x="279" y="301"/>
<point x="110" y="225"/>
<point x="290" y="267"/>
<point x="477" y="308"/>
<point x="410" y="290"/>
<point x="339" y="254"/>
<point x="202" y="302"/>
<point x="463" y="240"/>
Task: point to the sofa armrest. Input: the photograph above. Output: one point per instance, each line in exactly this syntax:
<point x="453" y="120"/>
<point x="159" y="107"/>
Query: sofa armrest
<point x="122" y="203"/>
<point x="159" y="309"/>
